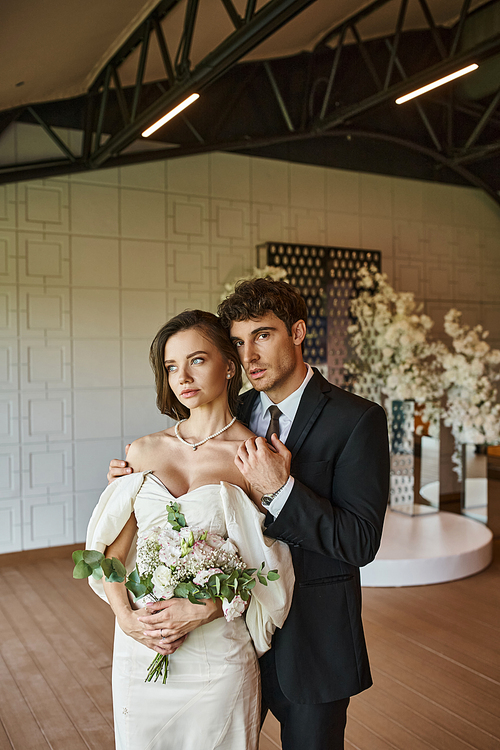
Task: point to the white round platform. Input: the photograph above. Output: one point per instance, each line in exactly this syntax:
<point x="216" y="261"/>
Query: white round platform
<point x="434" y="548"/>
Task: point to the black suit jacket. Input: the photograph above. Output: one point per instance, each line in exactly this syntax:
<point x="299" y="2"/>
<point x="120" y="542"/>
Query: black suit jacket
<point x="333" y="523"/>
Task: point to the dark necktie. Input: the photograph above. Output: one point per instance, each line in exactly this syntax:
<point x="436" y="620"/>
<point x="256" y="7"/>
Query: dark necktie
<point x="274" y="424"/>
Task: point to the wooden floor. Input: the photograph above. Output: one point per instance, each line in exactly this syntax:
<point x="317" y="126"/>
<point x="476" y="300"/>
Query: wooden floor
<point x="434" y="652"/>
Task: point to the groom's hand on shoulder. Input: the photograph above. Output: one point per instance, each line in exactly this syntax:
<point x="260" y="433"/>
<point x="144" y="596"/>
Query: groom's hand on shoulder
<point x="266" y="467"/>
<point x="118" y="467"/>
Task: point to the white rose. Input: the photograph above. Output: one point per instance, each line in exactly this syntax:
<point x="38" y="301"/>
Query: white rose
<point x="233" y="609"/>
<point x="162" y="581"/>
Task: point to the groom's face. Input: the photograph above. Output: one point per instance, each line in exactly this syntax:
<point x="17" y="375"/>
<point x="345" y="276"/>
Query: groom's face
<point x="270" y="355"/>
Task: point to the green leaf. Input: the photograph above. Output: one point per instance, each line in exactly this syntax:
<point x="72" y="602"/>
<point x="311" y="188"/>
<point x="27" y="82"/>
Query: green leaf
<point x="82" y="570"/>
<point x="115" y="578"/>
<point x="119" y="567"/>
<point x="262" y="579"/>
<point x="134" y="576"/>
<point x="93" y="557"/>
<point x="137" y="588"/>
<point x="107" y="567"/>
<point x="97" y="573"/>
<point x="273" y="575"/>
<point x="182" y="591"/>
<point x="77" y="556"/>
<point x="226" y="592"/>
<point x="195" y="600"/>
<point x="245" y="595"/>
<point x="250" y="584"/>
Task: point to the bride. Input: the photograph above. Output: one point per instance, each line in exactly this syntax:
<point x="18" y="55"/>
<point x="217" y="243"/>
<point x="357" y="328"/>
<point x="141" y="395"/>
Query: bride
<point x="212" y="695"/>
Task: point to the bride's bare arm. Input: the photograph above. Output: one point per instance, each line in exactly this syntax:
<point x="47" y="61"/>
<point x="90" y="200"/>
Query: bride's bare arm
<point x="118" y="597"/>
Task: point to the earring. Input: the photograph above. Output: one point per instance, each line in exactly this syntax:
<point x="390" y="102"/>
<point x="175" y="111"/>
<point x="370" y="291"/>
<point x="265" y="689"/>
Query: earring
<point x="228" y="375"/>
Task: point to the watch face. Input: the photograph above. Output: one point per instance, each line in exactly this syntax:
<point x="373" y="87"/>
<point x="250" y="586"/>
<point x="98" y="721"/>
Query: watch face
<point x="266" y="500"/>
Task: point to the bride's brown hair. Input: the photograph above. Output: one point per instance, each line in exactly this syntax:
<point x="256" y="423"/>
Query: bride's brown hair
<point x="210" y="327"/>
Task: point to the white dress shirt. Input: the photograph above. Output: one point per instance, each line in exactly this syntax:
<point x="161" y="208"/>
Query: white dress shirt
<point x="259" y="423"/>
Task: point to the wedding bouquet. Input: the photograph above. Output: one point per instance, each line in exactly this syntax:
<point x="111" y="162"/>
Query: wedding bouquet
<point x="177" y="560"/>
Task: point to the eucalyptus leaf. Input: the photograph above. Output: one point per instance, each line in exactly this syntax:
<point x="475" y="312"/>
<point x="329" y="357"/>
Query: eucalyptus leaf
<point x="195" y="600"/>
<point x="97" y="573"/>
<point x="82" y="570"/>
<point x="77" y="556"/>
<point x="137" y="588"/>
<point x="182" y="591"/>
<point x="93" y="557"/>
<point x="107" y="567"/>
<point x="262" y="579"/>
<point x="273" y="575"/>
<point x="115" y="577"/>
<point x="134" y="576"/>
<point x="119" y="567"/>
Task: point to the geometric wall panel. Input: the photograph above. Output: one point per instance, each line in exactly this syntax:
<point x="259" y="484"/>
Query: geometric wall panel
<point x="43" y="259"/>
<point x="229" y="222"/>
<point x="44" y="312"/>
<point x="4" y="249"/>
<point x="187" y="218"/>
<point x="6" y="526"/>
<point x="4" y="311"/>
<point x="5" y="360"/>
<point x="188" y="267"/>
<point x="46" y="469"/>
<point x="3" y="202"/>
<point x="48" y="521"/>
<point x="46" y="417"/>
<point x="7" y="421"/>
<point x="6" y="467"/>
<point x="43" y="204"/>
<point x="45" y="363"/>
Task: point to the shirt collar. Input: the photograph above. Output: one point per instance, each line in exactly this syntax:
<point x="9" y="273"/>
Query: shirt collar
<point x="290" y="404"/>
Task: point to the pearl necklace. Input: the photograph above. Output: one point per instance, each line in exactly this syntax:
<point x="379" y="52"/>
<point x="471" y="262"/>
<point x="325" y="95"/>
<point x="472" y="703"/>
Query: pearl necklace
<point x="194" y="446"/>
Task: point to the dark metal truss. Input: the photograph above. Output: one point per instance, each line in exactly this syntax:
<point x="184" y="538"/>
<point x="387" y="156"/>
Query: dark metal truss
<point x="138" y="108"/>
<point x="345" y="89"/>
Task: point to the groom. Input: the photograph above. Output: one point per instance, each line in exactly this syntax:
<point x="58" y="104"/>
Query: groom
<point x="324" y="489"/>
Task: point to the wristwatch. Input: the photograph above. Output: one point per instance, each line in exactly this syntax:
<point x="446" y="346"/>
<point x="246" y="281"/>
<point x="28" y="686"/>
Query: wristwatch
<point x="267" y="499"/>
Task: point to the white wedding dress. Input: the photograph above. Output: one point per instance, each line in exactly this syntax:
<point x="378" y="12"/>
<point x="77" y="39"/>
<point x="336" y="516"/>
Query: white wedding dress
<point x="212" y="695"/>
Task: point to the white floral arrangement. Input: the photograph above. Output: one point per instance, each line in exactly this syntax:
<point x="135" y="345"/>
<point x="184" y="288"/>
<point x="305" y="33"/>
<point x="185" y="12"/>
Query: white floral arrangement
<point x="177" y="560"/>
<point x="276" y="273"/>
<point x="393" y="356"/>
<point x="469" y="374"/>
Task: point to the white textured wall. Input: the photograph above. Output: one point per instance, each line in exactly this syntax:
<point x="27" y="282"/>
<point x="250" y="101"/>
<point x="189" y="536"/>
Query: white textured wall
<point x="92" y="265"/>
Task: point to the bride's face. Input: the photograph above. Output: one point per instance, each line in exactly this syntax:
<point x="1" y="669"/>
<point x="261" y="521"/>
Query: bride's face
<point x="197" y="371"/>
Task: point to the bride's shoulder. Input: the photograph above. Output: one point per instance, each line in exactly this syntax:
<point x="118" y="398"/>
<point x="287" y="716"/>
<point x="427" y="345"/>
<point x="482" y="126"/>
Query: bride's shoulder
<point x="144" y="448"/>
<point x="241" y="432"/>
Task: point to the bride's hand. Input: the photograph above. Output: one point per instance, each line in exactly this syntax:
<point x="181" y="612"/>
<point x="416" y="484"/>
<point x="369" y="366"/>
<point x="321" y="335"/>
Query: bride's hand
<point x="129" y="623"/>
<point x="175" y="618"/>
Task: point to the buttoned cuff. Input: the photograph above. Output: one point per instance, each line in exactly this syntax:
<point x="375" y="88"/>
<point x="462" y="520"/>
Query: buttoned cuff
<point x="279" y="501"/>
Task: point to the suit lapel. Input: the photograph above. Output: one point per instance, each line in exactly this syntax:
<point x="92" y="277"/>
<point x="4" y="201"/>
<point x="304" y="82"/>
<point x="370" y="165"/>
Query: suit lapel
<point x="311" y="405"/>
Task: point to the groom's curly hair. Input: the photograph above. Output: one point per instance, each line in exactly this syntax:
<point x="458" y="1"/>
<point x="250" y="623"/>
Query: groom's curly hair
<point x="210" y="327"/>
<point x="254" y="298"/>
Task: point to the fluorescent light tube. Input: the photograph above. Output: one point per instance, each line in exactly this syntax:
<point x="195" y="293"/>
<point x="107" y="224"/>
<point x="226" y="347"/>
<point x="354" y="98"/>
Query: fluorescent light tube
<point x="434" y="85"/>
<point x="173" y="112"/>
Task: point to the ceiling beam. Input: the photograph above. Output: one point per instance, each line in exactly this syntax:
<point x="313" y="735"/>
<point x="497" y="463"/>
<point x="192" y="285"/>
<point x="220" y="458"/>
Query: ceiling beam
<point x="432" y="73"/>
<point x="249" y="34"/>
